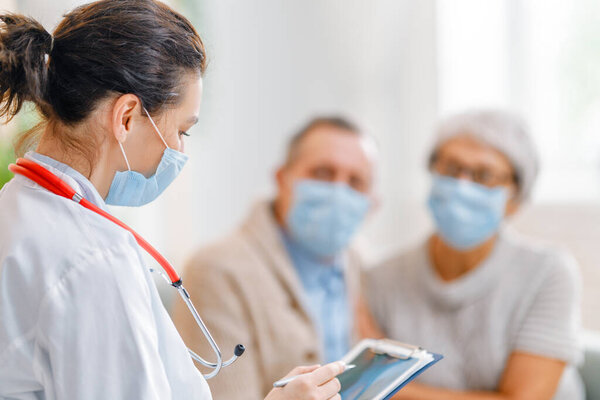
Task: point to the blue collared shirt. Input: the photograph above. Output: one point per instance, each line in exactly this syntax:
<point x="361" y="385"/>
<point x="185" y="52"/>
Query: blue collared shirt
<point x="326" y="299"/>
<point x="88" y="190"/>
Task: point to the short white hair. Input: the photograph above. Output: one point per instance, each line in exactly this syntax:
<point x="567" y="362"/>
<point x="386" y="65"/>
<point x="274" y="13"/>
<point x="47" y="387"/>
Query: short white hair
<point x="502" y="130"/>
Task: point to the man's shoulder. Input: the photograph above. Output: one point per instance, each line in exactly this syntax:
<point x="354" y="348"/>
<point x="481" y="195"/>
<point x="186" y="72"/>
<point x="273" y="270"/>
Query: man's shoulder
<point x="231" y="253"/>
<point x="243" y="253"/>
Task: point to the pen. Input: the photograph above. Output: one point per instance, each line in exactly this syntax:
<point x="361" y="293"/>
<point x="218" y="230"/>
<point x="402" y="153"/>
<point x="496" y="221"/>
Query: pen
<point x="285" y="381"/>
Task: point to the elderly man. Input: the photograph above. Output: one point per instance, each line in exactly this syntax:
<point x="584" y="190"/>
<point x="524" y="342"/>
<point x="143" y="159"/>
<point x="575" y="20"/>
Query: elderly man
<point x="502" y="309"/>
<point x="290" y="278"/>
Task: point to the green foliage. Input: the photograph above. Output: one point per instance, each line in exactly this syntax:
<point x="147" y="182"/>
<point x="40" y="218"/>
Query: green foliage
<point x="26" y="119"/>
<point x="7" y="156"/>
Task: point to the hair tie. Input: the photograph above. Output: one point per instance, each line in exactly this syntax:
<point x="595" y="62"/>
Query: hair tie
<point x="47" y="55"/>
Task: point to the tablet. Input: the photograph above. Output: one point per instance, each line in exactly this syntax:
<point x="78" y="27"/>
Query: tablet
<point x="382" y="368"/>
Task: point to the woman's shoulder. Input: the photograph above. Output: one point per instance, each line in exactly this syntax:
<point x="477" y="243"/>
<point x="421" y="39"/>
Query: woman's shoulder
<point x="537" y="256"/>
<point x="42" y="235"/>
<point x="539" y="268"/>
<point x="57" y="255"/>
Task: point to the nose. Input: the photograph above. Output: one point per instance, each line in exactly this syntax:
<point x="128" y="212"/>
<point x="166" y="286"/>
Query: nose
<point x="341" y="178"/>
<point x="465" y="174"/>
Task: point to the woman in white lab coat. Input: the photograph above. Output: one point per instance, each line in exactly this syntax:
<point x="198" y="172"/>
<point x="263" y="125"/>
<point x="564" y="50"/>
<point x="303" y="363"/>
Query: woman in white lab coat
<point x="118" y="84"/>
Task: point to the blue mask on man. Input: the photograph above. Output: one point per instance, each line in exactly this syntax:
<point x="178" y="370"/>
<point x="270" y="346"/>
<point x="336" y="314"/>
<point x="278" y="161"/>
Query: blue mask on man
<point x="324" y="216"/>
<point x="132" y="189"/>
<point x="466" y="213"/>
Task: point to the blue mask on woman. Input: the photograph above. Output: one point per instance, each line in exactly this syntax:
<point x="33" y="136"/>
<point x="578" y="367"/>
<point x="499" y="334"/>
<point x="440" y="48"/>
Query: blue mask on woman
<point x="132" y="189"/>
<point x="466" y="213"/>
<point x="324" y="216"/>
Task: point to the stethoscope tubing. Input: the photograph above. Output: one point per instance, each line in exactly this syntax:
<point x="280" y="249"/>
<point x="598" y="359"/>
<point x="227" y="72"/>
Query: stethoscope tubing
<point x="49" y="181"/>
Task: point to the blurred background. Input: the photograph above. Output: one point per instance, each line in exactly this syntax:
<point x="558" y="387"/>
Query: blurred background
<point x="395" y="67"/>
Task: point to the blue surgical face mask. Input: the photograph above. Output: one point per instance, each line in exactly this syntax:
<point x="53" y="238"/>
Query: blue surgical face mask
<point x="324" y="216"/>
<point x="132" y="189"/>
<point x="466" y="213"/>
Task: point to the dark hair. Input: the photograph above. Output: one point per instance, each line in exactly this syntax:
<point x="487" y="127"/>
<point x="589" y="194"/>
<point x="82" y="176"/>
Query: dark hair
<point x="108" y="47"/>
<point x="331" y="121"/>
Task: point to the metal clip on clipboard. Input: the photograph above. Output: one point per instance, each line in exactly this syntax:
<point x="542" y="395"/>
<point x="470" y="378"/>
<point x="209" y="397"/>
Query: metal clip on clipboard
<point x="391" y="348"/>
<point x="383" y="367"/>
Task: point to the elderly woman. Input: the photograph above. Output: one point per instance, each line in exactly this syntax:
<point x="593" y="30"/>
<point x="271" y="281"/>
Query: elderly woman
<point x="503" y="310"/>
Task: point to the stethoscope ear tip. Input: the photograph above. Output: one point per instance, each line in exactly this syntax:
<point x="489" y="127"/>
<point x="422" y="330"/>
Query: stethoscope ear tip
<point x="239" y="350"/>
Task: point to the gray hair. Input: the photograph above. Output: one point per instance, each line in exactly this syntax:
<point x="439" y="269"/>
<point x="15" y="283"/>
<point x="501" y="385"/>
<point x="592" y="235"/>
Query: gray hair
<point x="335" y="121"/>
<point x="502" y="130"/>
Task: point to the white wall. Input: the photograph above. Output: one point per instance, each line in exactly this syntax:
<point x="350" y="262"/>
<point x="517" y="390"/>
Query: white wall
<point x="274" y="64"/>
<point x="48" y="13"/>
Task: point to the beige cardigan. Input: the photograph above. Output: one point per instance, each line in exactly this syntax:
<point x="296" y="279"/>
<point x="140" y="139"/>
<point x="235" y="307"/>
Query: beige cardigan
<point x="247" y="291"/>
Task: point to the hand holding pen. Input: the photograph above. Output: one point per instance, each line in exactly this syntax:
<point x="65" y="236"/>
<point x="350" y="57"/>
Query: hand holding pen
<point x="315" y="382"/>
<point x="285" y="381"/>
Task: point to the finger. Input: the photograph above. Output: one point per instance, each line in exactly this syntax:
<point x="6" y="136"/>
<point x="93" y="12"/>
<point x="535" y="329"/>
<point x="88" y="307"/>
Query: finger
<point x="302" y="370"/>
<point x="327" y="372"/>
<point x="330" y="388"/>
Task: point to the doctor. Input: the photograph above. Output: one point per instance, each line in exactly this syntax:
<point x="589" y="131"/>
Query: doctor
<point x="118" y="84"/>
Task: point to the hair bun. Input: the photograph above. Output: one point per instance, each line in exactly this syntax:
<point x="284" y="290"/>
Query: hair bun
<point x="24" y="44"/>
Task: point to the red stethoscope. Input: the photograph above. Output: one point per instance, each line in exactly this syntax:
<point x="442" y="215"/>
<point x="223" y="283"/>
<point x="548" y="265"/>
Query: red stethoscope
<point x="40" y="175"/>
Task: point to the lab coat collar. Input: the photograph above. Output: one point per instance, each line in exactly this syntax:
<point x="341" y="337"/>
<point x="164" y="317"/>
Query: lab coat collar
<point x="313" y="272"/>
<point x="77" y="181"/>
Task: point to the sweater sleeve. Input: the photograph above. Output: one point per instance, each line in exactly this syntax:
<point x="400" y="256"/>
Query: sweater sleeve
<point x="551" y="326"/>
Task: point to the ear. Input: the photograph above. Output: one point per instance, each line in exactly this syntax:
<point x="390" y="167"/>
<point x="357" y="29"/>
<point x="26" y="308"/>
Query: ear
<point x="123" y="112"/>
<point x="282" y="197"/>
<point x="513" y="204"/>
<point x="281" y="177"/>
<point x="375" y="203"/>
<point x="512" y="207"/>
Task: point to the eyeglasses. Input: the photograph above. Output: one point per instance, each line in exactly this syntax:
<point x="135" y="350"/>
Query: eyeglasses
<point x="483" y="176"/>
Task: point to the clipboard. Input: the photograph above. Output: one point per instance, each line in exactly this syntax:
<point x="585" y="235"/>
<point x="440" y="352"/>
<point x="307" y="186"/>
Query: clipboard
<point x="383" y="367"/>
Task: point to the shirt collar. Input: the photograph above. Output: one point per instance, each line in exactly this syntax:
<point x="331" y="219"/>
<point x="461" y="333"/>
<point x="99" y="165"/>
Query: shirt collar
<point x="313" y="271"/>
<point x="76" y="180"/>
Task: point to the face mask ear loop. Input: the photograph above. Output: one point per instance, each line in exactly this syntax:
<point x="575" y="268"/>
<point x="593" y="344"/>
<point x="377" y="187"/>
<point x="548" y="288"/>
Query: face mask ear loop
<point x="156" y="128"/>
<point x="124" y="156"/>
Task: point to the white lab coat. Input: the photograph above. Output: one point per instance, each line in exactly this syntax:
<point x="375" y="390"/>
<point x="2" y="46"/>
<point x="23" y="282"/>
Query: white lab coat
<point x="80" y="317"/>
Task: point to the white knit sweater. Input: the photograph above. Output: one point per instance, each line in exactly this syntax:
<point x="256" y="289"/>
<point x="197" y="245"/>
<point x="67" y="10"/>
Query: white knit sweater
<point x="524" y="297"/>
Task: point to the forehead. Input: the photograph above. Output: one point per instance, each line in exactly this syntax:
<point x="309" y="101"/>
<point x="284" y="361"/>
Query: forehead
<point x="468" y="150"/>
<point x="335" y="145"/>
<point x="191" y="95"/>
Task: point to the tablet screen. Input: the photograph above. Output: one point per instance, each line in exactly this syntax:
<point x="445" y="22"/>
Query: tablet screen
<point x="372" y="375"/>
